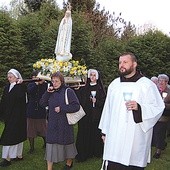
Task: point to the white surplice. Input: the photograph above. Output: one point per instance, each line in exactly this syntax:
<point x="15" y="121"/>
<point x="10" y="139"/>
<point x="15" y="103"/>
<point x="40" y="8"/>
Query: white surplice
<point x="127" y="142"/>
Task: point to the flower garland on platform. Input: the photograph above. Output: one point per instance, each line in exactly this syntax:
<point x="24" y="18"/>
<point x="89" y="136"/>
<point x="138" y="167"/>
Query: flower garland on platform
<point x="70" y="68"/>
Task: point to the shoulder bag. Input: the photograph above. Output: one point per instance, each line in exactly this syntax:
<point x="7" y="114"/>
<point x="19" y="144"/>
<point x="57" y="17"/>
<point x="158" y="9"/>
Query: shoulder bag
<point x="73" y="118"/>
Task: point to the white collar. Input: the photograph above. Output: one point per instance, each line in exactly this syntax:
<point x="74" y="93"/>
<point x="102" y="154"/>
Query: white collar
<point x="92" y="84"/>
<point x="11" y="86"/>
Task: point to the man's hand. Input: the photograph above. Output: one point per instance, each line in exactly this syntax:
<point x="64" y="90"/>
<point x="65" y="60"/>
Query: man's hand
<point x="132" y="105"/>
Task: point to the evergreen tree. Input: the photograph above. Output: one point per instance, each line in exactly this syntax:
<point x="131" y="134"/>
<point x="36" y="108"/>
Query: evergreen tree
<point x="11" y="47"/>
<point x="82" y="37"/>
<point x="128" y="32"/>
<point x="152" y="50"/>
<point x="34" y="5"/>
<point x="39" y="31"/>
<point x="86" y="6"/>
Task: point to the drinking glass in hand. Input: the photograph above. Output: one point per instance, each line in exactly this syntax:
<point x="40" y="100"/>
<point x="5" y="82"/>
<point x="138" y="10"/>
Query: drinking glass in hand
<point x="127" y="97"/>
<point x="93" y="93"/>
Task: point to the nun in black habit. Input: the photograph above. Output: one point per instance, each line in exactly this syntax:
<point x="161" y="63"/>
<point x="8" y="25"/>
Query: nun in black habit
<point x="13" y="113"/>
<point x="92" y="97"/>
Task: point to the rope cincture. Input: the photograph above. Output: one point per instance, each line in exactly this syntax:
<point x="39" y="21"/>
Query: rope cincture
<point x="104" y="165"/>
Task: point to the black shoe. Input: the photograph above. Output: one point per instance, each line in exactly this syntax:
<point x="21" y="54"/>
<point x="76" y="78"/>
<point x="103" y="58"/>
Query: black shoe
<point x="5" y="163"/>
<point x="17" y="159"/>
<point x="157" y="155"/>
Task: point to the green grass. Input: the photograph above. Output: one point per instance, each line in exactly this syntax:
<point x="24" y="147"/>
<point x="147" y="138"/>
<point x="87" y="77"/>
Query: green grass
<point x="36" y="161"/>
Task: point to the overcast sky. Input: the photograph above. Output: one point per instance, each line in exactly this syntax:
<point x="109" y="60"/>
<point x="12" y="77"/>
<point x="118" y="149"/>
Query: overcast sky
<point x="155" y="12"/>
<point x="152" y="12"/>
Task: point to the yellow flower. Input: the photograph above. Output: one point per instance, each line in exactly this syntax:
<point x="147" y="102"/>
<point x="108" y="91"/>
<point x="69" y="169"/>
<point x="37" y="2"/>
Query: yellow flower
<point x="50" y="60"/>
<point x="68" y="68"/>
<point x="54" y="70"/>
<point x="65" y="63"/>
<point x="71" y="72"/>
<point x="34" y="65"/>
<point x="60" y="64"/>
<point x="38" y="66"/>
<point x="84" y="72"/>
<point x="79" y="72"/>
<point x="42" y="60"/>
<point x="46" y="64"/>
<point x="74" y="68"/>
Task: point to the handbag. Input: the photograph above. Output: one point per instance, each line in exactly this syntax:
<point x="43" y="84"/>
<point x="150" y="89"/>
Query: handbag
<point x="73" y="118"/>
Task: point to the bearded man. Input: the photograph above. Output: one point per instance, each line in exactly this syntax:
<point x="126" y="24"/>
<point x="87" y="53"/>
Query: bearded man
<point x="133" y="106"/>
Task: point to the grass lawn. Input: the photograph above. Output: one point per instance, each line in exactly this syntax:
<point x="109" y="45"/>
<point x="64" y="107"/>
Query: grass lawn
<point x="36" y="161"/>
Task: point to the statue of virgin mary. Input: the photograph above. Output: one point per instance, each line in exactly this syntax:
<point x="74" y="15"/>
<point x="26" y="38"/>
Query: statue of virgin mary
<point x="63" y="45"/>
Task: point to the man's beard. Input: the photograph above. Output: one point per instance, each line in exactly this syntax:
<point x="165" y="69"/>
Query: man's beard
<point x="126" y="71"/>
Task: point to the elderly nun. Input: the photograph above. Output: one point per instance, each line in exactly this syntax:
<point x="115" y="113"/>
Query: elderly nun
<point x="92" y="97"/>
<point x="13" y="113"/>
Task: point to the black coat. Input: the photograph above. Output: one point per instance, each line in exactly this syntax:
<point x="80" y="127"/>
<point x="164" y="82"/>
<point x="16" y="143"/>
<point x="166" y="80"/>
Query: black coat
<point x="89" y="142"/>
<point x="13" y="113"/>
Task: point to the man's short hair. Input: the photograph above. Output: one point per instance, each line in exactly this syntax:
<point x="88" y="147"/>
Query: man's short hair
<point x="131" y="54"/>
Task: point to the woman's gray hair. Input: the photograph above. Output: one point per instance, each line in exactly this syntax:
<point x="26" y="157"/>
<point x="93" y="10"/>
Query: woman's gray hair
<point x="154" y="78"/>
<point x="164" y="77"/>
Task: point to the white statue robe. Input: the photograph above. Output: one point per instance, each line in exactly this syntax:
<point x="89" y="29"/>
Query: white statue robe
<point x="127" y="142"/>
<point x="63" y="45"/>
